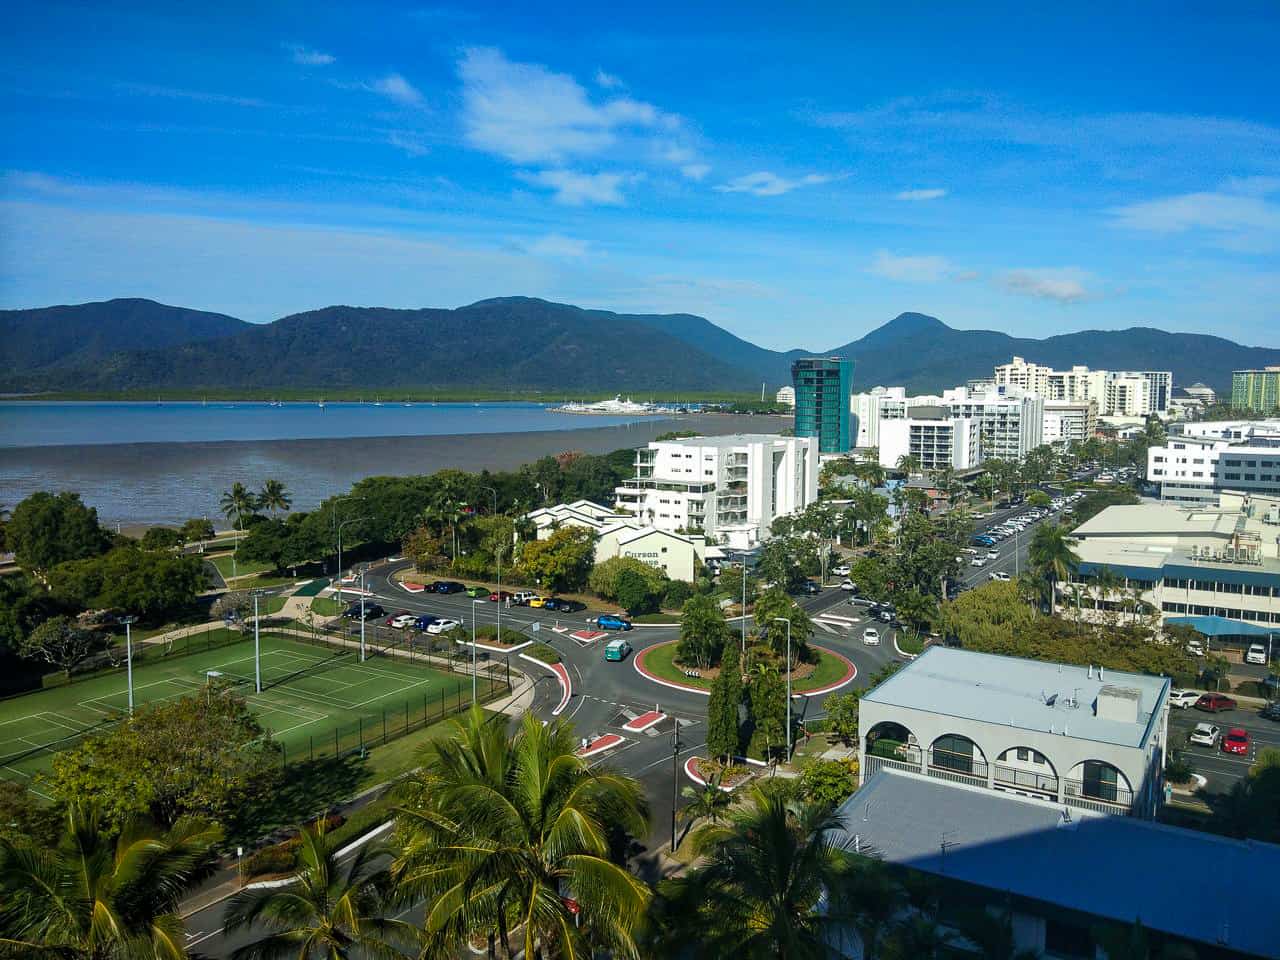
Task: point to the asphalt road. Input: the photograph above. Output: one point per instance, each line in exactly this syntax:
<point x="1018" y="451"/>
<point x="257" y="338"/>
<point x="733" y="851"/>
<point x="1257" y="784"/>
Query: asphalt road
<point x="1222" y="770"/>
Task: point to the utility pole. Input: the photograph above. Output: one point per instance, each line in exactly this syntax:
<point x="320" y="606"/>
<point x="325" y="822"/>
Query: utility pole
<point x="340" y="526"/>
<point x="675" y="781"/>
<point x="787" y="621"/>
<point x="362" y="616"/>
<point x="128" y="655"/>
<point x="257" y="648"/>
<point x="499" y="589"/>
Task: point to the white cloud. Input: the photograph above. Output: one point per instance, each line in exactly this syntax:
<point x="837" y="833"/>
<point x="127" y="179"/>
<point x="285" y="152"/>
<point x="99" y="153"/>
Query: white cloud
<point x="200" y="96"/>
<point x="928" y="269"/>
<point x="766" y="184"/>
<point x="308" y="57"/>
<point x="408" y="142"/>
<point x="608" y="81"/>
<point x="527" y="113"/>
<point x="932" y="193"/>
<point x="397" y="88"/>
<point x="556" y="246"/>
<point x="1215" y="211"/>
<point x="695" y="171"/>
<point x="576" y="189"/>
<point x="1061" y="284"/>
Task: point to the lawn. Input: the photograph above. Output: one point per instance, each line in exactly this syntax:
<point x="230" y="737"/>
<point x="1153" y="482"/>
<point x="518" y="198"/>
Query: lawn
<point x="229" y="567"/>
<point x="659" y="661"/>
<point x="327" y="606"/>
<point x="317" y="698"/>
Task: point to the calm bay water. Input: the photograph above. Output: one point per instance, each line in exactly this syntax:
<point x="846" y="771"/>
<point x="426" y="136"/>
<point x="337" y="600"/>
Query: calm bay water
<point x="139" y="463"/>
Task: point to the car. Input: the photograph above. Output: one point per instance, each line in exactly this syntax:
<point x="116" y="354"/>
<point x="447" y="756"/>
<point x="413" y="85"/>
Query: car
<point x="1271" y="711"/>
<point x="1215" y="703"/>
<point x="840" y="571"/>
<point x="871" y="637"/>
<point x="537" y="602"/>
<point x="1256" y="653"/>
<point x="1183" y="698"/>
<point x="521" y="598"/>
<point x="370" y="611"/>
<point x="476" y="592"/>
<point x="1236" y="741"/>
<point x="849" y="585"/>
<point x="978" y="562"/>
<point x="443" y="625"/>
<point x="616" y="650"/>
<point x="423" y="621"/>
<point x="402" y="621"/>
<point x="984" y="541"/>
<point x="999" y="577"/>
<point x="449" y="586"/>
<point x="1195" y="648"/>
<point x="970" y="551"/>
<point x="499" y="595"/>
<point x="1204" y="735"/>
<point x="609" y="621"/>
<point x="810" y="588"/>
<point x="569" y="606"/>
<point x="886" y="615"/>
<point x="861" y="602"/>
<point x="992" y="555"/>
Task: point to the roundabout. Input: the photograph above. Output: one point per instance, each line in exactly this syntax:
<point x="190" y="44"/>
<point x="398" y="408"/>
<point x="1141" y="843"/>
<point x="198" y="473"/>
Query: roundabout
<point x="656" y="664"/>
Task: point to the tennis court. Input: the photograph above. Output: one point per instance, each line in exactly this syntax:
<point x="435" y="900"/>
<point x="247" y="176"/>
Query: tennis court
<point x="311" y="693"/>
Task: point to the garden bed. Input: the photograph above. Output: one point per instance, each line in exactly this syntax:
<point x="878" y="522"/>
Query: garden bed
<point x="658" y="664"/>
<point x="701" y="770"/>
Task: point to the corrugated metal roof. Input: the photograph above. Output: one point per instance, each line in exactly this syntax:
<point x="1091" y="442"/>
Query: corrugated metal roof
<point x="1195" y="885"/>
<point x="1024" y="694"/>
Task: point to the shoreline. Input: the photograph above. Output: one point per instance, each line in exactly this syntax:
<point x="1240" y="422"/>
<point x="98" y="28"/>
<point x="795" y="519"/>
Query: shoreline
<point x="151" y="484"/>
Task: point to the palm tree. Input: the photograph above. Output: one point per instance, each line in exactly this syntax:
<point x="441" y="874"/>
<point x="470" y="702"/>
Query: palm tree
<point x="95" y="896"/>
<point x="1051" y="556"/>
<point x="870" y="472"/>
<point x="511" y="835"/>
<point x="238" y="501"/>
<point x="908" y="464"/>
<point x="707" y="802"/>
<point x="772" y="884"/>
<point x="877" y="901"/>
<point x="331" y="909"/>
<point x="275" y="496"/>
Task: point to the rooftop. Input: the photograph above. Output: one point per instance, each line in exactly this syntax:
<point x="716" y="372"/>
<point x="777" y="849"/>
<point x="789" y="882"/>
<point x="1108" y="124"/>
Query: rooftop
<point x="1159" y="518"/>
<point x="726" y="440"/>
<point x="1121" y="868"/>
<point x="1054" y="698"/>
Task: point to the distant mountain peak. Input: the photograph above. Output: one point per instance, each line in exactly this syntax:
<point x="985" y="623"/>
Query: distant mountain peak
<point x="909" y="325"/>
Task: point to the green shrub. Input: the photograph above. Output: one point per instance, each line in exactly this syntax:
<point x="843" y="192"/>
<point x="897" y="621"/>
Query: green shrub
<point x="544" y="652"/>
<point x="1252" y="688"/>
<point x="677" y="592"/>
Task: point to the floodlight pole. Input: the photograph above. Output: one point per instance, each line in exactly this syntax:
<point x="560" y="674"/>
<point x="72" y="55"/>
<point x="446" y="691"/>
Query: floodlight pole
<point x="128" y="656"/>
<point x="362" y="616"/>
<point x="473" y="610"/>
<point x="744" y="605"/>
<point x="787" y="621"/>
<point x="257" y="646"/>
<point x="473" y="651"/>
<point x="340" y="526"/>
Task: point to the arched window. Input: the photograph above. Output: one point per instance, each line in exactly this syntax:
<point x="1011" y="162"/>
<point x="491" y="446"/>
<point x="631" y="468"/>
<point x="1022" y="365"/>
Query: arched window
<point x="952" y="751"/>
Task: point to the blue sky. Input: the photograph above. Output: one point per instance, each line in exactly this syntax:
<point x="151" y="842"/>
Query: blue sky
<point x="797" y="173"/>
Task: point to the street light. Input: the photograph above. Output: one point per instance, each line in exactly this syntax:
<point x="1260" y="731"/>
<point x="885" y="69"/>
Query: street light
<point x="787" y="621"/>
<point x="499" y="590"/>
<point x="362" y="615"/>
<point x="340" y="526"/>
<point x="675" y="781"/>
<point x="128" y="655"/>
<point x="744" y="605"/>
<point x="257" y="649"/>
<point x="473" y="651"/>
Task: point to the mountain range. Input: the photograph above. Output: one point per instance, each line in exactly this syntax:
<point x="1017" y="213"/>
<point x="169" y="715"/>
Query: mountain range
<point x="526" y="344"/>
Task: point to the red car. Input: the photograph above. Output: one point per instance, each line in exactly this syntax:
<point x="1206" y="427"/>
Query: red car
<point x="497" y="597"/>
<point x="1236" y="741"/>
<point x="1215" y="703"/>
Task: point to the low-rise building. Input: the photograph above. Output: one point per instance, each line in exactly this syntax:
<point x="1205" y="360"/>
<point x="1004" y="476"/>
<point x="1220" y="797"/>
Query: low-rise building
<point x="1214" y="567"/>
<point x="1058" y="733"/>
<point x="785" y="397"/>
<point x="676" y="555"/>
<point x="1069" y="421"/>
<point x="1206" y="458"/>
<point x="728" y="489"/>
<point x="581" y="513"/>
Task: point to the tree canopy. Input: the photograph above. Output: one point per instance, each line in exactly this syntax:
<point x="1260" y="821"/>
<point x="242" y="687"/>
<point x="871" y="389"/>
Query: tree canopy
<point x="47" y="529"/>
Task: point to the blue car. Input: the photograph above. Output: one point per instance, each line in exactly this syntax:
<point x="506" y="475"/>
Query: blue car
<point x="609" y="622"/>
<point x="425" y="621"/>
<point x="984" y="541"/>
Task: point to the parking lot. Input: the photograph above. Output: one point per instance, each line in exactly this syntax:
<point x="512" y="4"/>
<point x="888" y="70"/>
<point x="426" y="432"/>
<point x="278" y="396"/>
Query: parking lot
<point x="1221" y="769"/>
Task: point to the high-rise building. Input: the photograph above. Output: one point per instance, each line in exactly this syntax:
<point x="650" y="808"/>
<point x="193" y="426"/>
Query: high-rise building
<point x="823" y="387"/>
<point x="786" y="397"/>
<point x="1256" y="390"/>
<point x="1118" y="393"/>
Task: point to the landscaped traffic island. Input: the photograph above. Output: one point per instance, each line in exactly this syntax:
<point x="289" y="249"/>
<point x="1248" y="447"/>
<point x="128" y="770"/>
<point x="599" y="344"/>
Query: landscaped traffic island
<point x="830" y="671"/>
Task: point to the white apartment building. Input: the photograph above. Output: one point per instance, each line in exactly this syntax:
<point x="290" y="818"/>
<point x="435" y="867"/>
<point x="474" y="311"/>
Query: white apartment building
<point x="623" y="535"/>
<point x="1057" y="733"/>
<point x="870" y="408"/>
<point x="1066" y="421"/>
<point x="1131" y="393"/>
<point x="1206" y="458"/>
<point x="933" y="437"/>
<point x="728" y="489"/>
<point x="1215" y="567"/>
<point x="1010" y="422"/>
<point x="786" y="396"/>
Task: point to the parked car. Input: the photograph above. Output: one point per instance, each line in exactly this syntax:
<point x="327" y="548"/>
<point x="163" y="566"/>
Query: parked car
<point x="849" y="585"/>
<point x="809" y="587"/>
<point x="617" y="650"/>
<point x="1256" y="653"/>
<point x="565" y="606"/>
<point x="475" y="592"/>
<point x="1183" y="698"/>
<point x="886" y="616"/>
<point x="978" y="562"/>
<point x="1236" y="741"/>
<point x="840" y="571"/>
<point x="371" y="611"/>
<point x="537" y="601"/>
<point x="443" y="625"/>
<point x="402" y="621"/>
<point x="1000" y="577"/>
<point x="423" y="621"/>
<point x="1195" y="648"/>
<point x="1215" y="703"/>
<point x="499" y="595"/>
<point x="449" y="586"/>
<point x="1271" y="711"/>
<point x="608" y="621"/>
<point x="871" y="637"/>
<point x="1204" y="735"/>
<point x="521" y="598"/>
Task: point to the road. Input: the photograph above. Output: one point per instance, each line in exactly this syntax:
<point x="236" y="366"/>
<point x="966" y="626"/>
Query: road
<point x="606" y="695"/>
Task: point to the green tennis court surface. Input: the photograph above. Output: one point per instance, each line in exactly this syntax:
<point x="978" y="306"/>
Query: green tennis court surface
<point x="309" y="693"/>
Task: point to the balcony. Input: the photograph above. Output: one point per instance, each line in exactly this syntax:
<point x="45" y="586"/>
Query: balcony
<point x="1020" y="778"/>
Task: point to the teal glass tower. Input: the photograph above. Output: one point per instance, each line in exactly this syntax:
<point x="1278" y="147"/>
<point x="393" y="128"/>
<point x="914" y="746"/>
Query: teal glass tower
<point x="823" y="387"/>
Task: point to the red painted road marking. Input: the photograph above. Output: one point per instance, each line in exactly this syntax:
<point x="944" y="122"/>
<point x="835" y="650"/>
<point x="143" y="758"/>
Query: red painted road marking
<point x="587" y="636"/>
<point x="600" y="745"/>
<point x="644" y="721"/>
<point x="566" y="685"/>
<point x="413" y="587"/>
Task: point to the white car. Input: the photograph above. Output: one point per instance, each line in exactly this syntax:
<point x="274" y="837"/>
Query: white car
<point x="404" y="621"/>
<point x="871" y="637"/>
<point x="1195" y="648"/>
<point x="993" y="555"/>
<point x="443" y="626"/>
<point x="978" y="562"/>
<point x="1256" y="653"/>
<point x="849" y="585"/>
<point x="840" y="571"/>
<point x="1000" y="577"/>
<point x="1183" y="699"/>
<point x="1205" y="735"/>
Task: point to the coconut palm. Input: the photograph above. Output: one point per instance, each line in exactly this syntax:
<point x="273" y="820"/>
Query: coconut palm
<point x="869" y="472"/>
<point x="98" y="896"/>
<point x="772" y="884"/>
<point x="274" y="496"/>
<point x="238" y="501"/>
<point x="1051" y="556"/>
<point x="510" y="836"/>
<point x="876" y="902"/>
<point x="332" y="910"/>
<point x="908" y="464"/>
<point x="706" y="802"/>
